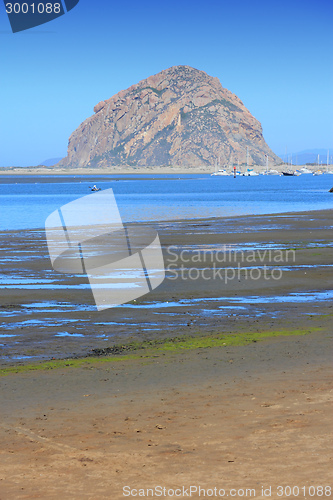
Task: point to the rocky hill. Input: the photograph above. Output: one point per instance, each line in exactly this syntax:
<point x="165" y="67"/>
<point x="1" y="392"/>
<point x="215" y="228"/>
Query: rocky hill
<point x="181" y="116"/>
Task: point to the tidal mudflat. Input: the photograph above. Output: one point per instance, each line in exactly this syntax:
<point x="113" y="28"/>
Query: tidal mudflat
<point x="222" y="276"/>
<point x="219" y="378"/>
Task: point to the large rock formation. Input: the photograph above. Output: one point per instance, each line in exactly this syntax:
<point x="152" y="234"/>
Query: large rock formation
<point x="181" y="116"/>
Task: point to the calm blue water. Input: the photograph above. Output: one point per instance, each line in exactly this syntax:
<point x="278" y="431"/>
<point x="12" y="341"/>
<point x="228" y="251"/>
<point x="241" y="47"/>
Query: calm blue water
<point x="26" y="201"/>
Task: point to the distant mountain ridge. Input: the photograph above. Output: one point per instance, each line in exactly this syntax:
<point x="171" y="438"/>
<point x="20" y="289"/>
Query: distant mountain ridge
<point x="309" y="156"/>
<point x="50" y="162"/>
<point x="180" y="116"/>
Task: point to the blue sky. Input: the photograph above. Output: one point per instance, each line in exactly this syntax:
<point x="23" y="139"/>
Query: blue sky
<point x="276" y="56"/>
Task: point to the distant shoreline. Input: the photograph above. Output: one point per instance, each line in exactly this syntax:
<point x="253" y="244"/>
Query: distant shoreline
<point x="124" y="170"/>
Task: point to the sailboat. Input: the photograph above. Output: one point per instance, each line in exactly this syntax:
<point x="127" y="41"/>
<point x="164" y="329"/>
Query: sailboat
<point x="270" y="171"/>
<point x="250" y="172"/>
<point x="220" y="171"/>
<point x="318" y="171"/>
<point x="305" y="170"/>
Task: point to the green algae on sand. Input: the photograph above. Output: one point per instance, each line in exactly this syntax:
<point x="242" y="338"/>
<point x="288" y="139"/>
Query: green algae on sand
<point x="150" y="349"/>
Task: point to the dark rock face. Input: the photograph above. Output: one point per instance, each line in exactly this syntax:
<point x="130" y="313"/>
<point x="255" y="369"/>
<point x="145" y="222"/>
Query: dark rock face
<point x="181" y="116"/>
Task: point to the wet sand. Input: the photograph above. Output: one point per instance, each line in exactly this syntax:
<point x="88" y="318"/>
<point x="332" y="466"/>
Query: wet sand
<point x="237" y="417"/>
<point x="45" y="314"/>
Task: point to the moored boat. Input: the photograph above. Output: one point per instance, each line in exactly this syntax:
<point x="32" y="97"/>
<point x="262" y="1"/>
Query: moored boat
<point x="220" y="172"/>
<point x="288" y="174"/>
<point x="291" y="173"/>
<point x="271" y="172"/>
<point x="305" y="170"/>
<point x="250" y="173"/>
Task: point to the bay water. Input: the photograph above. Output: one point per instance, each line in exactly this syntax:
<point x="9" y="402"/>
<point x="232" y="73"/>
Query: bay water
<point x="26" y="201"/>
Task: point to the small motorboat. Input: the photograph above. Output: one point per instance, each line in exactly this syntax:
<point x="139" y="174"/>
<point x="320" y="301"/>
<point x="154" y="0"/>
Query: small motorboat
<point x="220" y="172"/>
<point x="271" y="172"/>
<point x="250" y="173"/>
<point x="305" y="170"/>
<point x="95" y="188"/>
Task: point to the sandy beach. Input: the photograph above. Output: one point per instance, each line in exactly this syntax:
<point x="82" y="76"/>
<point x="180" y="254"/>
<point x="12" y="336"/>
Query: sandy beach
<point x="207" y="412"/>
<point x="147" y="170"/>
<point x="235" y="419"/>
